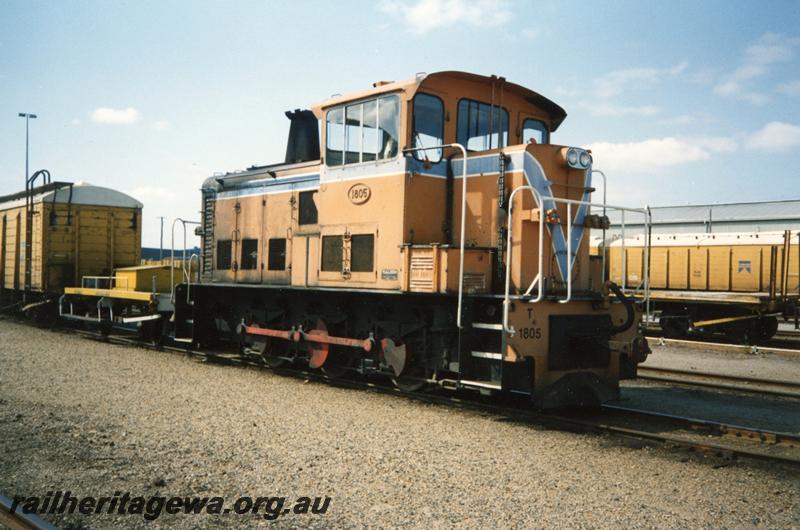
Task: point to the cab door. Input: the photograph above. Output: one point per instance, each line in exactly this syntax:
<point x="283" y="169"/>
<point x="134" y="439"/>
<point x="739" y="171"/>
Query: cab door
<point x="250" y="225"/>
<point x="305" y="259"/>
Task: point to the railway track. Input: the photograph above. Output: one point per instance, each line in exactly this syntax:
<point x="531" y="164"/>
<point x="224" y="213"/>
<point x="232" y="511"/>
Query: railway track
<point x="689" y="434"/>
<point x="19" y="520"/>
<point x="789" y="347"/>
<point x="757" y="385"/>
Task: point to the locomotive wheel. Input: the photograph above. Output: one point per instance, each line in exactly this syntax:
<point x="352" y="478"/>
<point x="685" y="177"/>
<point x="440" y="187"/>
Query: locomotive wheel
<point x="337" y="364"/>
<point x="318" y="350"/>
<point x="414" y="381"/>
<point x="268" y="349"/>
<point x="270" y="354"/>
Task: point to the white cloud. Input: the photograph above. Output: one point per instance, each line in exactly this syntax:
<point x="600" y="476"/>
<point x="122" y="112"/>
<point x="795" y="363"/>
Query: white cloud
<point x="790" y="88"/>
<point x="609" y="109"/>
<point x="657" y="152"/>
<point x="618" y="81"/>
<point x="758" y="59"/>
<point x="75" y="121"/>
<point x="160" y="125"/>
<point x="422" y="16"/>
<point x="716" y="144"/>
<point x="116" y="116"/>
<point x="775" y="137"/>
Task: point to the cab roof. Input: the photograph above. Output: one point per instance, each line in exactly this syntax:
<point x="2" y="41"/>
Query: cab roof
<point x="410" y="86"/>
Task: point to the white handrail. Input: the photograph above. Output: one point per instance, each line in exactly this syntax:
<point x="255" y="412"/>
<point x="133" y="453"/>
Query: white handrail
<point x="463" y="216"/>
<point x="188" y="274"/>
<point x="624" y="257"/>
<point x="605" y="190"/>
<point x="184" y="222"/>
<point x="538" y="279"/>
<point x="113" y="281"/>
<point x="647" y="223"/>
<point x="569" y="255"/>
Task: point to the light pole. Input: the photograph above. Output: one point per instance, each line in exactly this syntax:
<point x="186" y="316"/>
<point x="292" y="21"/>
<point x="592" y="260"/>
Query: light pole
<point x="27" y="117"/>
<point x="161" y="240"/>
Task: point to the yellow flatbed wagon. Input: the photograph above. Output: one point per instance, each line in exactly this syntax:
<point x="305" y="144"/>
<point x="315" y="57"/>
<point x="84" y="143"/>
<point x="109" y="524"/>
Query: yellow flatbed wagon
<point x="139" y="295"/>
<point x="734" y="283"/>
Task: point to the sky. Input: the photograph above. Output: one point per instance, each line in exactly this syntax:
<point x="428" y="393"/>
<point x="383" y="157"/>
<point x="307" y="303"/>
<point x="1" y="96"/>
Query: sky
<point x="682" y="102"/>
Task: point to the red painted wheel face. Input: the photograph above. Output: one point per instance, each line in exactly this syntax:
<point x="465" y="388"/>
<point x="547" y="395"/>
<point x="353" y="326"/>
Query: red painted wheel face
<point x="319" y="350"/>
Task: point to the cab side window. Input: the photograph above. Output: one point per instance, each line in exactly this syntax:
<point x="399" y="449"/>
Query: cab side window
<point x="363" y="131"/>
<point x="307" y="214"/>
<point x="249" y="259"/>
<point x="332" y="254"/>
<point x="276" y="260"/>
<point x="535" y="130"/>
<point x="223" y="254"/>
<point x="478" y="125"/>
<point x="428" y="126"/>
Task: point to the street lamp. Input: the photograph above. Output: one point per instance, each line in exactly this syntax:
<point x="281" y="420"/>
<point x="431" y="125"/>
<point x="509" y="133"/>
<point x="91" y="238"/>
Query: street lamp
<point x="27" y="117"/>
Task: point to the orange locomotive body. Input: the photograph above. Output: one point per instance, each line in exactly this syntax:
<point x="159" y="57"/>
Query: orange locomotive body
<point x="374" y="247"/>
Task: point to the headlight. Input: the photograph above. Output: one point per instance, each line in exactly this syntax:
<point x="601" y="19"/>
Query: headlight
<point x="585" y="159"/>
<point x="572" y="157"/>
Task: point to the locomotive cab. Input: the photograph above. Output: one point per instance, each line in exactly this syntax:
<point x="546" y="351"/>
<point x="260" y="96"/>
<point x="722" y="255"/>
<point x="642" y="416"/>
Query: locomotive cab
<point x="434" y="234"/>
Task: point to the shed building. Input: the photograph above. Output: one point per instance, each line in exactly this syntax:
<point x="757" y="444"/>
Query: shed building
<point x="767" y="216"/>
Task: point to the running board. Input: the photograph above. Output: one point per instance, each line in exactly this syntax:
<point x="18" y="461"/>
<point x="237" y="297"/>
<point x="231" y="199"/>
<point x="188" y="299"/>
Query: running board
<point x="481" y="384"/>
<point x="78" y="317"/>
<point x="487" y="325"/>
<point x="487" y="355"/>
<point x="143" y="318"/>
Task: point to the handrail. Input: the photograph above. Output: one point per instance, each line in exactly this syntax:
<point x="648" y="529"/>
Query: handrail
<point x="113" y="281"/>
<point x="184" y="222"/>
<point x="463" y="217"/>
<point x="188" y="274"/>
<point x="605" y="190"/>
<point x="648" y="227"/>
<point x="538" y="279"/>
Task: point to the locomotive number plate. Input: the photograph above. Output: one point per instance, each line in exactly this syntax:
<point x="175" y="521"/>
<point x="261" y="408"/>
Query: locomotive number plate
<point x="359" y="193"/>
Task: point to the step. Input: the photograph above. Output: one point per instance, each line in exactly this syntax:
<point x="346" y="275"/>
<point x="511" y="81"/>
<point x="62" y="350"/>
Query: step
<point x="487" y="325"/>
<point x="487" y="355"/>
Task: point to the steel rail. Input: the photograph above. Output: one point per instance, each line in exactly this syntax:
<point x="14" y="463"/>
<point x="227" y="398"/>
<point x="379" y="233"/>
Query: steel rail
<point x="725" y="381"/>
<point x="595" y="424"/>
<point x="728" y="346"/>
<point x="719" y="428"/>
<point x="19" y="520"/>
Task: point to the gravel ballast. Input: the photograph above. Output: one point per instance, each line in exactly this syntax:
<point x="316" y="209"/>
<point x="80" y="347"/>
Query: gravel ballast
<point x="95" y="418"/>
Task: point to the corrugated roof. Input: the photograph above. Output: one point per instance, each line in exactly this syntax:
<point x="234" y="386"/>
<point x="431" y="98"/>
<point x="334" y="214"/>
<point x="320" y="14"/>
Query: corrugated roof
<point x="720" y="213"/>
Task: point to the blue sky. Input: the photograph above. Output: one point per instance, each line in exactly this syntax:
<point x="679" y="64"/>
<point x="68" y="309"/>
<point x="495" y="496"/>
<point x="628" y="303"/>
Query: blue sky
<point x="682" y="102"/>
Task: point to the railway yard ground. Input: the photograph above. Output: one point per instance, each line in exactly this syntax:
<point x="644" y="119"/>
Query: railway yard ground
<point x="95" y="418"/>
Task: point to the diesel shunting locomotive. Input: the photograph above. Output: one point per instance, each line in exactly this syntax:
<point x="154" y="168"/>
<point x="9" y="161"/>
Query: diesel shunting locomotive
<point x="428" y="230"/>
